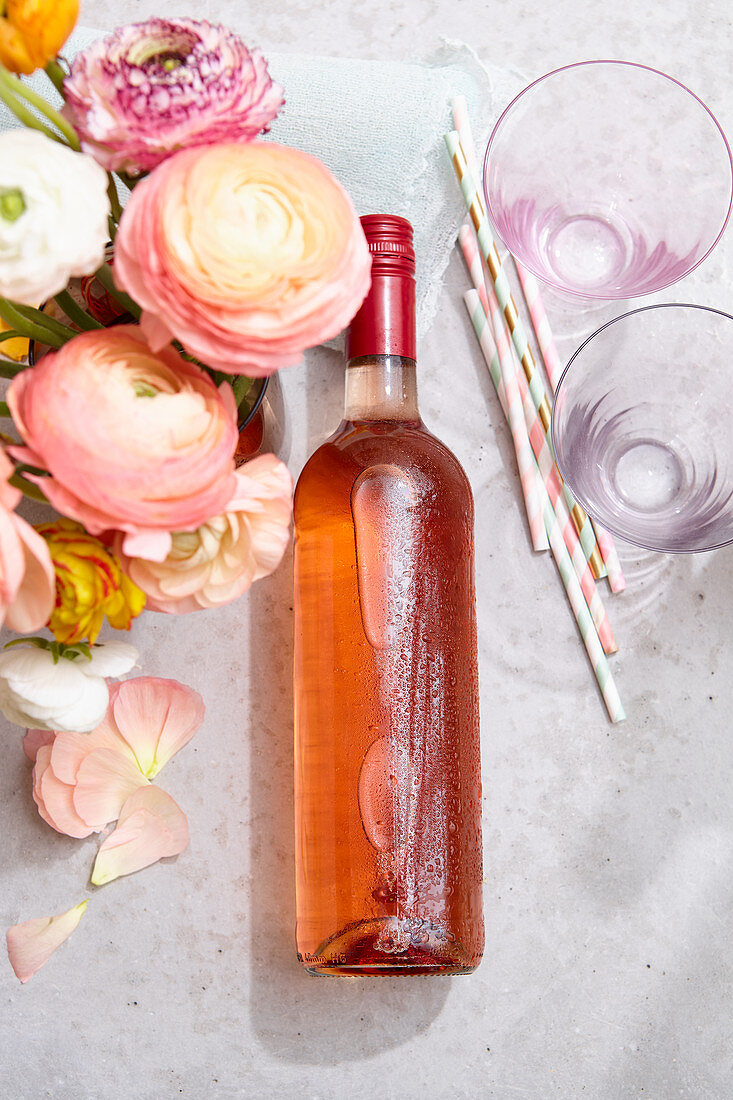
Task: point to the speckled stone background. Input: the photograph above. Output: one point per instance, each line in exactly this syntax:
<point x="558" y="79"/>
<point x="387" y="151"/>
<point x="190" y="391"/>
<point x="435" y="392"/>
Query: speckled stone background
<point x="608" y="850"/>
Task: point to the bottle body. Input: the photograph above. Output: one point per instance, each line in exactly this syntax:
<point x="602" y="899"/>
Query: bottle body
<point x="387" y="768"/>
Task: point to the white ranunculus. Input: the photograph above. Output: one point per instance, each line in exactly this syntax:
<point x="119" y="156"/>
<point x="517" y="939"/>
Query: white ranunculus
<point x="53" y="216"/>
<point x="70" y="694"/>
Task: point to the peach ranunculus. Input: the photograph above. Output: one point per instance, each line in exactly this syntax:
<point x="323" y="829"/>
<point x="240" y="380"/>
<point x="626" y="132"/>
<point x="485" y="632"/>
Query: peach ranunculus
<point x="218" y="562"/>
<point x="33" y="31"/>
<point x="26" y="572"/>
<point x="134" y="441"/>
<point x="246" y="253"/>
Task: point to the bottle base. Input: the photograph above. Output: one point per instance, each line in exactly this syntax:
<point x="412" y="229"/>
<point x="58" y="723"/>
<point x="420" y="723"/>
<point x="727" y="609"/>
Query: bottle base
<point x="390" y="947"/>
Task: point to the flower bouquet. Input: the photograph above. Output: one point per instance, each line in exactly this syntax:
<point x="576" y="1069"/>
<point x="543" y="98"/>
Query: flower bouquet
<point x="208" y="259"/>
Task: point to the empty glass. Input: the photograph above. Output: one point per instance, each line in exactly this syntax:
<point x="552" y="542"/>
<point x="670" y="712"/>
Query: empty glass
<point x="608" y="179"/>
<point x="641" y="427"/>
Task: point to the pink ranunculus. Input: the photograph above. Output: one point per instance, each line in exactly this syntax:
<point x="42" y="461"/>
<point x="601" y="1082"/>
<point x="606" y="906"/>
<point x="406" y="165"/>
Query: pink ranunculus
<point x="134" y="441"/>
<point x="27" y="579"/>
<point x="152" y="88"/>
<point x="218" y="562"/>
<point x="247" y="254"/>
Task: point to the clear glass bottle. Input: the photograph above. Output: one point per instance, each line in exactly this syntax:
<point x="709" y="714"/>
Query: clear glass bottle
<point x="387" y="770"/>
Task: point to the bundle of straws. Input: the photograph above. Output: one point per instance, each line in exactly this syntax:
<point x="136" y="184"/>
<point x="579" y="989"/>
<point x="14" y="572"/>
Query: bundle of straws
<point x="583" y="551"/>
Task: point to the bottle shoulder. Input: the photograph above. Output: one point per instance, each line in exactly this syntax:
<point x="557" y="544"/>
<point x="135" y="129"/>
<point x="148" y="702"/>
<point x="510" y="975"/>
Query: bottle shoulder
<point x="406" y="445"/>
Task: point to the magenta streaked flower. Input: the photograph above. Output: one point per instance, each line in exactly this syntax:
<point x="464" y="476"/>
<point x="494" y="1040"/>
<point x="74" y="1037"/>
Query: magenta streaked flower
<point x="152" y="88"/>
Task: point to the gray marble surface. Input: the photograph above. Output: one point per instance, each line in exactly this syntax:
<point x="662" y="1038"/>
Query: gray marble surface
<point x="607" y="850"/>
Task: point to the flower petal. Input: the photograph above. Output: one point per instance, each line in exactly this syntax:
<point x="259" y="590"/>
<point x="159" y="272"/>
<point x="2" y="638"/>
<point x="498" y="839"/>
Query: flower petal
<point x="70" y="748"/>
<point x="58" y="802"/>
<point x="35" y="599"/>
<point x="104" y="781"/>
<point x="111" y="659"/>
<point x="33" y="741"/>
<point x="151" y="826"/>
<point x="156" y="717"/>
<point x="32" y="943"/>
<point x="43" y="762"/>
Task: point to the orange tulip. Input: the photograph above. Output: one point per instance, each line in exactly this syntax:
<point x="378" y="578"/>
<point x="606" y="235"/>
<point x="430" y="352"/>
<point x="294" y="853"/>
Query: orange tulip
<point x="33" y="31"/>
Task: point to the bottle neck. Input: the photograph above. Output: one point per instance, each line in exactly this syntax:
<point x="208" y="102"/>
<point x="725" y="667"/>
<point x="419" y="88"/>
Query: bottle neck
<point x="381" y="387"/>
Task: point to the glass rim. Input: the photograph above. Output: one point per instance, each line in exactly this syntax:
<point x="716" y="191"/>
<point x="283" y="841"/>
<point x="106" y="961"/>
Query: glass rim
<point x="643" y="544"/>
<point x="541" y="274"/>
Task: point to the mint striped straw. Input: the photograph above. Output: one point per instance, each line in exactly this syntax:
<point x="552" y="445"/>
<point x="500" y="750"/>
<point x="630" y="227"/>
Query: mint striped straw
<point x="515" y="415"/>
<point x="538" y="441"/>
<point x="552" y="483"/>
<point x="583" y="617"/>
<point x="475" y="207"/>
<point x="548" y="349"/>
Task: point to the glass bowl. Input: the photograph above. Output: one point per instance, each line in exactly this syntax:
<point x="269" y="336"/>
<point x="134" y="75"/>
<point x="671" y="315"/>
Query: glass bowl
<point x="608" y="179"/>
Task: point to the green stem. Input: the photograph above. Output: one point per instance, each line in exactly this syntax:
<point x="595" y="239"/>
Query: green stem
<point x="22" y="113"/>
<point x="23" y="91"/>
<point x="104" y="274"/>
<point x="75" y="313"/>
<point x="9" y="369"/>
<point x="28" y="487"/>
<point x="9" y="334"/>
<point x="38" y="317"/>
<point x="115" y="207"/>
<point x="32" y="330"/>
<point x="4" y="410"/>
<point x="56" y="74"/>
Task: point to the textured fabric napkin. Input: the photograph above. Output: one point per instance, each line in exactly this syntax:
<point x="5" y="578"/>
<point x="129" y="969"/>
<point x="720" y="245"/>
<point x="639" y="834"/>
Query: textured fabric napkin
<point x="379" y="125"/>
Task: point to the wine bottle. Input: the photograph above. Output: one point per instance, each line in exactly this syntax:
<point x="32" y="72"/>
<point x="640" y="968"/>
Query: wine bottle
<point x="387" y="770"/>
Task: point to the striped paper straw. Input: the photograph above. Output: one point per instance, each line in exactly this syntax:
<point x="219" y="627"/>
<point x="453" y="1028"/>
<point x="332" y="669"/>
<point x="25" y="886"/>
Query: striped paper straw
<point x="475" y="206"/>
<point x="540" y="323"/>
<point x="472" y="256"/>
<point x="515" y="415"/>
<point x="462" y="125"/>
<point x="551" y="479"/>
<point x="560" y="553"/>
<point x="548" y="349"/>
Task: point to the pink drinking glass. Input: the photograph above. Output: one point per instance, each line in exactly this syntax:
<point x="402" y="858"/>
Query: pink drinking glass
<point x="608" y="179"/>
<point x="641" y="427"/>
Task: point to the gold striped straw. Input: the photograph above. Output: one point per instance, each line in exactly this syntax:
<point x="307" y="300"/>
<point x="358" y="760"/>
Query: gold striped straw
<point x="477" y="212"/>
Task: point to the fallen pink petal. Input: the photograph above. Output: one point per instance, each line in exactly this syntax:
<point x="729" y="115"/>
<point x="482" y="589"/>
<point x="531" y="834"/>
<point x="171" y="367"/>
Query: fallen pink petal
<point x="104" y="782"/>
<point x="151" y="826"/>
<point x="32" y="943"/>
<point x="55" y="800"/>
<point x="33" y="741"/>
<point x="156" y="717"/>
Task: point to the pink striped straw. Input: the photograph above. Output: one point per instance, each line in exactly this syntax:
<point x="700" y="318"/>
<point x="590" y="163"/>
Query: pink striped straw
<point x="475" y="265"/>
<point x="553" y="365"/>
<point x="573" y="590"/>
<point x="512" y="404"/>
<point x="540" y="323"/>
<point x="538" y="441"/>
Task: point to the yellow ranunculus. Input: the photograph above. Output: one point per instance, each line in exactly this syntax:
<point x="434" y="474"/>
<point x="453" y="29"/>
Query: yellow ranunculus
<point x="33" y="31"/>
<point x="89" y="584"/>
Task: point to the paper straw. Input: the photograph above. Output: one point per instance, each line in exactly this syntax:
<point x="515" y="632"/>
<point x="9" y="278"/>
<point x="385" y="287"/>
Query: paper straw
<point x="515" y="415"/>
<point x="560" y="553"/>
<point x="474" y="263"/>
<point x="475" y="206"/>
<point x="548" y="349"/>
<point x="616" y="579"/>
<point x="551" y="479"/>
<point x="462" y="125"/>
<point x="540" y="323"/>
